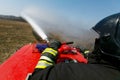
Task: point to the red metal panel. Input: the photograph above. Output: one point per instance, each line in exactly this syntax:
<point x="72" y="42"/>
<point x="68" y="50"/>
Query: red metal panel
<point x="20" y="63"/>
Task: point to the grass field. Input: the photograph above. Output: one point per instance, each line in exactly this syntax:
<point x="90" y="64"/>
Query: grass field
<point x="13" y="35"/>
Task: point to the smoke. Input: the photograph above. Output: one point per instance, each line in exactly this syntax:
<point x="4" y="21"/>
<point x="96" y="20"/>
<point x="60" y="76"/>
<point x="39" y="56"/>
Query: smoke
<point x="56" y="25"/>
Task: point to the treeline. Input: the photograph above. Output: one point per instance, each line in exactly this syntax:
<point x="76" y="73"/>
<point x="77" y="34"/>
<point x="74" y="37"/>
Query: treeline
<point x="10" y="17"/>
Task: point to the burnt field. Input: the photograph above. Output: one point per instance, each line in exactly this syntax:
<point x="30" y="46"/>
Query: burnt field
<point x="13" y="35"/>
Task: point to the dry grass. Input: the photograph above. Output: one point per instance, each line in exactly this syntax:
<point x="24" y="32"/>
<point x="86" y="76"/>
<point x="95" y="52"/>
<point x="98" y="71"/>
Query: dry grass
<point x="13" y="35"/>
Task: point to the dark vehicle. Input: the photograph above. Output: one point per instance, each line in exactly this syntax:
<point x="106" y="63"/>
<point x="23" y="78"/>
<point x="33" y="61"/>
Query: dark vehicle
<point x="107" y="46"/>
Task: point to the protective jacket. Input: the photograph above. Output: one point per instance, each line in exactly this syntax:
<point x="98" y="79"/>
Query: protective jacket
<point x="77" y="71"/>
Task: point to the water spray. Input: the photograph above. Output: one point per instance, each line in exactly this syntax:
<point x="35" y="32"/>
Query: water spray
<point x="35" y="27"/>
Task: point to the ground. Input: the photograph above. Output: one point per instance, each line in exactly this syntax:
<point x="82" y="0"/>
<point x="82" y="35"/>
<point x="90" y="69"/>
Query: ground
<point x="13" y="35"/>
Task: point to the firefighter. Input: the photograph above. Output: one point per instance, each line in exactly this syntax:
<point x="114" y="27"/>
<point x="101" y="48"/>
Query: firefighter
<point x="46" y="69"/>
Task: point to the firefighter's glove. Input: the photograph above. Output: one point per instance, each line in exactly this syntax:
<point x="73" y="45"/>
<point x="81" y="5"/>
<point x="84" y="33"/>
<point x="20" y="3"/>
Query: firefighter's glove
<point x="54" y="44"/>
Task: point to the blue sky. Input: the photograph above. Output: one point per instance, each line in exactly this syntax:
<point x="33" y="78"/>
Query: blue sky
<point x="70" y="19"/>
<point x="90" y="11"/>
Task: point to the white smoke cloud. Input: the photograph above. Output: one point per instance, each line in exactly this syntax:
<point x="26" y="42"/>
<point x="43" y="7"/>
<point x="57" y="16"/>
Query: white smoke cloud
<point x="59" y="25"/>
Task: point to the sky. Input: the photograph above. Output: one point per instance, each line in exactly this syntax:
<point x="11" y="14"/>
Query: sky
<point x="71" y="17"/>
<point x="89" y="10"/>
